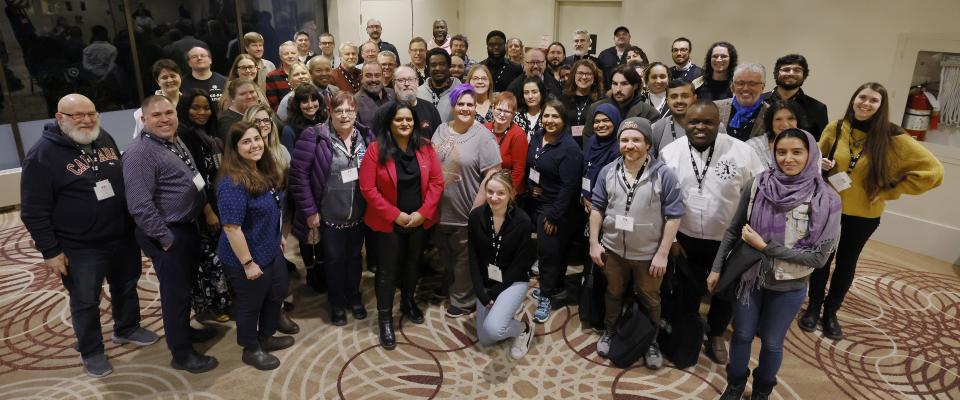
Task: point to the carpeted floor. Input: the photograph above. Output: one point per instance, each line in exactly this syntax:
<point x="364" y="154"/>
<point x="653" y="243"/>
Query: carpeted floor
<point x="901" y="319"/>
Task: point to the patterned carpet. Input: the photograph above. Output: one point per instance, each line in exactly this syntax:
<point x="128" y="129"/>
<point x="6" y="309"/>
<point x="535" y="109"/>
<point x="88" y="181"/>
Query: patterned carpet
<point x="901" y="318"/>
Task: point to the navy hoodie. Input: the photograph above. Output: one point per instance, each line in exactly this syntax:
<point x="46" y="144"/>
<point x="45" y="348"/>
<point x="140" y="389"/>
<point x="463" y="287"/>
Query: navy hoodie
<point x="58" y="203"/>
<point x="560" y="167"/>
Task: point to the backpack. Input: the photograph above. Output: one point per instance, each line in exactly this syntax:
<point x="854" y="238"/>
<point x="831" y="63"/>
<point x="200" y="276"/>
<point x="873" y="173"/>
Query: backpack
<point x="632" y="338"/>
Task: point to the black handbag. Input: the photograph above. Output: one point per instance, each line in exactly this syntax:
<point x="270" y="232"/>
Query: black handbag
<point x="590" y="299"/>
<point x="633" y="337"/>
<point x="681" y="327"/>
<point x="833" y="148"/>
<point x="740" y="258"/>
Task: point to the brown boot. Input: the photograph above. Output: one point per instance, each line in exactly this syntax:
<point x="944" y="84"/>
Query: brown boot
<point x="716" y="349"/>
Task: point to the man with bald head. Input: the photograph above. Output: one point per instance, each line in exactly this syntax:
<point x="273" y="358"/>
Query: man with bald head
<point x="374" y="31"/>
<point x="201" y="76"/>
<point x="165" y="196"/>
<point x="534" y="63"/>
<point x="73" y="205"/>
<point x="405" y="91"/>
<point x="441" y="37"/>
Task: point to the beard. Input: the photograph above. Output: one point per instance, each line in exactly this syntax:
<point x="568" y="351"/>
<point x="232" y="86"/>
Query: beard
<point x="789" y="86"/>
<point x="81" y="136"/>
<point x="405" y="97"/>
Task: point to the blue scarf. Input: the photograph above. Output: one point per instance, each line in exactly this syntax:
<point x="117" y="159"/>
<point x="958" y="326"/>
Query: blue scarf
<point x="742" y="114"/>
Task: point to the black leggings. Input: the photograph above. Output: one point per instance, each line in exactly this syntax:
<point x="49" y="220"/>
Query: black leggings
<point x="854" y="233"/>
<point x="398" y="254"/>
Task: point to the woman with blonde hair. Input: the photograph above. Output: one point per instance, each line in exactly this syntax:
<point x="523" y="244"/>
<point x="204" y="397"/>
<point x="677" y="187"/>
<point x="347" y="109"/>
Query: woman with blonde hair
<point x="481" y="79"/>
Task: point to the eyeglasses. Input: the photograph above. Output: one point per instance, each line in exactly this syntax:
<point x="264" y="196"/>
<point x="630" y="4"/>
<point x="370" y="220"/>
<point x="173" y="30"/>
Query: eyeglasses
<point x="751" y="84"/>
<point x="534" y="62"/>
<point x="502" y="111"/>
<point x="404" y="81"/>
<point x="581" y="73"/>
<point x="342" y="111"/>
<point x="260" y="121"/>
<point x="80" y="116"/>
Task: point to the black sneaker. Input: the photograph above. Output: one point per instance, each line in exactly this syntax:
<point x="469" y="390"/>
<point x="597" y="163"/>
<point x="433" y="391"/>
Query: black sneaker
<point x="457" y="312"/>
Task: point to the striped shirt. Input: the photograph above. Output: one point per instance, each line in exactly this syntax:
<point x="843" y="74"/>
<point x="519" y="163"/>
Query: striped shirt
<point x="276" y="87"/>
<point x="160" y="188"/>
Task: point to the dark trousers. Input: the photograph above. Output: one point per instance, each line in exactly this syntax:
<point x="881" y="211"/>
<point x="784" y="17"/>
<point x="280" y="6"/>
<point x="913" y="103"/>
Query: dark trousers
<point x="176" y="269"/>
<point x="118" y="262"/>
<point x="399" y="257"/>
<point x="312" y="254"/>
<point x="552" y="254"/>
<point x="256" y="305"/>
<point x="700" y="255"/>
<point x="854" y="233"/>
<point x="342" y="261"/>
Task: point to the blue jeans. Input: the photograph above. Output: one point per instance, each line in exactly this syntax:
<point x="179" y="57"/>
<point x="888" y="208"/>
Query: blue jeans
<point x="118" y="262"/>
<point x="497" y="323"/>
<point x="770" y="314"/>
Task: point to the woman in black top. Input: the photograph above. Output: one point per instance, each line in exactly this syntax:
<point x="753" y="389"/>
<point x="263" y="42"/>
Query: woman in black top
<point x="500" y="260"/>
<point x="584" y="89"/>
<point x="719" y="64"/>
<point x="198" y="131"/>
<point x="554" y="165"/>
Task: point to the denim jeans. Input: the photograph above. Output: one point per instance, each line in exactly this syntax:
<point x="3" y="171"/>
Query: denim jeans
<point x="119" y="263"/>
<point x="770" y="314"/>
<point x="497" y="323"/>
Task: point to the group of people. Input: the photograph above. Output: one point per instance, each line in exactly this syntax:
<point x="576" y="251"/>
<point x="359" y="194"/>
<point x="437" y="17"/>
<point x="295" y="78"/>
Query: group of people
<point x="502" y="170"/>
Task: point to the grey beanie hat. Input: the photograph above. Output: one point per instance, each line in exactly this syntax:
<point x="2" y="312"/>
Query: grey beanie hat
<point x="639" y="124"/>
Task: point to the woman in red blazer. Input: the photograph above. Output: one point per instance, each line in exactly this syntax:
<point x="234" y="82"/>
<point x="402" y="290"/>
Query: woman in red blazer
<point x="401" y="180"/>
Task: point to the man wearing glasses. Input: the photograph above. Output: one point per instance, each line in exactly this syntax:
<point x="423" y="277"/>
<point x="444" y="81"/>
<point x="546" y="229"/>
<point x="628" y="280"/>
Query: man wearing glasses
<point x="405" y="89"/>
<point x="533" y="66"/>
<point x="201" y="76"/>
<point x="73" y="205"/>
<point x="790" y="72"/>
<point x="741" y="112"/>
<point x="683" y="68"/>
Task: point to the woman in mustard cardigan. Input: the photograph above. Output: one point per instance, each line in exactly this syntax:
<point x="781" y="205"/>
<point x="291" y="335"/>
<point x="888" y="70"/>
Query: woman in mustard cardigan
<point x="874" y="161"/>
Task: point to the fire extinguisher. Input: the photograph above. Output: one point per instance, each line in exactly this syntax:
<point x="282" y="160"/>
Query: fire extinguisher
<point x="916" y="120"/>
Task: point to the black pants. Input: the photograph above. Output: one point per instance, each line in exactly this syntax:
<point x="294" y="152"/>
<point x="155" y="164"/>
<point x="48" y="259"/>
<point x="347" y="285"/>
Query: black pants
<point x="257" y="302"/>
<point x="119" y="262"/>
<point x="176" y="269"/>
<point x="552" y="254"/>
<point x="342" y="262"/>
<point x="700" y="255"/>
<point x="312" y="254"/>
<point x="854" y="233"/>
<point x="399" y="257"/>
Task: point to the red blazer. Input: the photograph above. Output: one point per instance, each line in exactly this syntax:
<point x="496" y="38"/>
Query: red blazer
<point x="378" y="185"/>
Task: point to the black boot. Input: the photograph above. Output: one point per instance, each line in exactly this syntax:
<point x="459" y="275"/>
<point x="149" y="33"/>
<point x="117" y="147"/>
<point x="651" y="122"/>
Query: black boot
<point x="735" y="387"/>
<point x="808" y="322"/>
<point x="831" y="327"/>
<point x="259" y="359"/>
<point x="286" y="325"/>
<point x="408" y="307"/>
<point x="387" y="339"/>
<point x="761" y="391"/>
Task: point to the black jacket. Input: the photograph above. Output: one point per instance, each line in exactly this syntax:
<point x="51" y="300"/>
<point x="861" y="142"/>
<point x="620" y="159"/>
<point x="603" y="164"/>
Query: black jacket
<point x="515" y="257"/>
<point x="503" y="72"/>
<point x="560" y="165"/>
<point x="814" y="118"/>
<point x="58" y="203"/>
<point x="636" y="107"/>
<point x="554" y="91"/>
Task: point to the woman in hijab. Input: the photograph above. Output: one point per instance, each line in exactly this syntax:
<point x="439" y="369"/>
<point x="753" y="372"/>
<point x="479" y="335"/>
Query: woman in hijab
<point x="792" y="217"/>
<point x="600" y="149"/>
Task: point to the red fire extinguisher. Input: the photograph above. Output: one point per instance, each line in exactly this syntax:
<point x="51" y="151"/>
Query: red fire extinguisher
<point x="916" y="120"/>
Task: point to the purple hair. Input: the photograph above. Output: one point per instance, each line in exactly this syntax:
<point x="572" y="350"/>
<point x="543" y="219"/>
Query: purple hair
<point x="460" y="90"/>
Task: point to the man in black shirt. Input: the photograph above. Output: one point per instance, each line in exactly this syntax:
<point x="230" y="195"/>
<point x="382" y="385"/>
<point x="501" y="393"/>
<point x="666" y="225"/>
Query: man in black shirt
<point x="616" y="55"/>
<point x="405" y="88"/>
<point x="504" y="71"/>
<point x="201" y="77"/>
<point x="533" y="65"/>
<point x="790" y="72"/>
<point x="684" y="69"/>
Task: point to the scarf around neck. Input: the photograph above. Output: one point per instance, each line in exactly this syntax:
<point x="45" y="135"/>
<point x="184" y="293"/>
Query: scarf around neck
<point x="742" y="114"/>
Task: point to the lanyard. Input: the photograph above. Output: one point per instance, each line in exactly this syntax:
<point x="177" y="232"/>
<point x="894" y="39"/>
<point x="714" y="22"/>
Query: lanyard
<point x="696" y="171"/>
<point x="276" y="197"/>
<point x="580" y="110"/>
<point x="854" y="158"/>
<point x="502" y="138"/>
<point x="94" y="158"/>
<point x="353" y="83"/>
<point x="342" y="146"/>
<point x="500" y="74"/>
<point x="631" y="188"/>
<point x="175" y="148"/>
<point x="496" y="238"/>
<point x="673" y="128"/>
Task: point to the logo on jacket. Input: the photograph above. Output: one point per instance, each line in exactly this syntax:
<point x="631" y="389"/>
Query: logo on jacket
<point x="81" y="164"/>
<point x="727" y="169"/>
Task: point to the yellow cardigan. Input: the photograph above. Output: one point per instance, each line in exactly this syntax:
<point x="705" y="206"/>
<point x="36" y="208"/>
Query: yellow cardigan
<point x="915" y="169"/>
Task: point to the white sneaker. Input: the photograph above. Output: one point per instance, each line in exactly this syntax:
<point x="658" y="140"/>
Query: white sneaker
<point x="603" y="345"/>
<point x="535" y="268"/>
<point x="521" y="344"/>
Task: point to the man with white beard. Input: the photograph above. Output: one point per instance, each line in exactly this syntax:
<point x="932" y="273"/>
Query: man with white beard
<point x="405" y="89"/>
<point x="73" y="204"/>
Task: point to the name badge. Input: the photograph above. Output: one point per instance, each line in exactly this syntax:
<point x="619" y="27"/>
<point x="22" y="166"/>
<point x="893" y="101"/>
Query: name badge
<point x="494" y="273"/>
<point x="840" y="181"/>
<point x="577" y="130"/>
<point x="534" y="175"/>
<point x="624" y="223"/>
<point x="697" y="201"/>
<point x="349" y="175"/>
<point x="585" y="184"/>
<point x="199" y="182"/>
<point x="103" y="189"/>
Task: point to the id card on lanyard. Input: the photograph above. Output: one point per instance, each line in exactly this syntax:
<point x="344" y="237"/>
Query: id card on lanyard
<point x="102" y="188"/>
<point x="184" y="156"/>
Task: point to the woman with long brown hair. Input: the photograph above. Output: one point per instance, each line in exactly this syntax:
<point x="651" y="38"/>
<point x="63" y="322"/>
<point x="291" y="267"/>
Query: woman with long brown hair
<point x="250" y="198"/>
<point x="870" y="160"/>
<point x="584" y="89"/>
